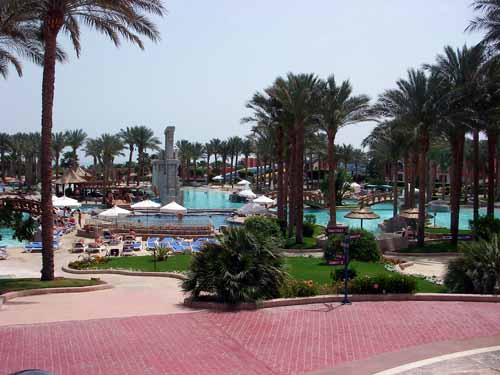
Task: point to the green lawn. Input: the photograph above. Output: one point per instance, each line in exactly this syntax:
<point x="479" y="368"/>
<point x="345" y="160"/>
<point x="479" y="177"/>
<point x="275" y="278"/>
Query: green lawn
<point x="9" y="285"/>
<point x="309" y="242"/>
<point x="300" y="268"/>
<point x="446" y="231"/>
<point x="437" y="247"/>
<point x="178" y="262"/>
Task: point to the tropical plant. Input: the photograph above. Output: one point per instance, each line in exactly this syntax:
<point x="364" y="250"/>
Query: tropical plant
<point x="75" y="139"/>
<point x="92" y="149"/>
<point x="215" y="148"/>
<point x="488" y="21"/>
<point x="144" y="140"/>
<point x="342" y="186"/>
<point x="265" y="229"/>
<point x="239" y="269"/>
<point x="111" y="146"/>
<point x="59" y="143"/>
<point x="5" y="147"/>
<point x="129" y="138"/>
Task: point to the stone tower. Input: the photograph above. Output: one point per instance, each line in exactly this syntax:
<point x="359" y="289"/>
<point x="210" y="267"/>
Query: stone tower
<point x="165" y="171"/>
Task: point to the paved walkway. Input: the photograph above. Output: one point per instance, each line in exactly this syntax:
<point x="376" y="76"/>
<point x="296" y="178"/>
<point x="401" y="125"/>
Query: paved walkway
<point x="275" y="341"/>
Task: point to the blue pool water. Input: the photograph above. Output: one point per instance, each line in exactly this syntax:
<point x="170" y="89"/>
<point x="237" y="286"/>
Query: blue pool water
<point x="149" y="220"/>
<point x="207" y="198"/>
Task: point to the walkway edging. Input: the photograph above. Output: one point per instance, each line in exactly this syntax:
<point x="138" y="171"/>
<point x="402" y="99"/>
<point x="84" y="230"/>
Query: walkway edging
<point x="282" y="302"/>
<point x="395" y="253"/>
<point x="172" y="275"/>
<point x="36" y="292"/>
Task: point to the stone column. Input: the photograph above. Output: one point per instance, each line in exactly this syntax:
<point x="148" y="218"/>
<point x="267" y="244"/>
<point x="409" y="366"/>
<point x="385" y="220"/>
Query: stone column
<point x="169" y="142"/>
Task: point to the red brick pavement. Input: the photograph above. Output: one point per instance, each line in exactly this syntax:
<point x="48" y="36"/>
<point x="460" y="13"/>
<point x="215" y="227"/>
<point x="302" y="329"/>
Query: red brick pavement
<point x="274" y="341"/>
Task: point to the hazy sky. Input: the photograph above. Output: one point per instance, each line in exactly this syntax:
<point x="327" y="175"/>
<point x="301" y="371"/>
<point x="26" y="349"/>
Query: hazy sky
<point x="215" y="54"/>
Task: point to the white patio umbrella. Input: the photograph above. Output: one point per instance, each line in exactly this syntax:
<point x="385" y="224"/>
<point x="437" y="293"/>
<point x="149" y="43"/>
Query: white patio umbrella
<point x="263" y="200"/>
<point x="114" y="212"/>
<point x="217" y="178"/>
<point x="145" y="205"/>
<point x="65" y="201"/>
<point x="247" y="193"/>
<point x="252" y="209"/>
<point x="243" y="183"/>
<point x="173" y="208"/>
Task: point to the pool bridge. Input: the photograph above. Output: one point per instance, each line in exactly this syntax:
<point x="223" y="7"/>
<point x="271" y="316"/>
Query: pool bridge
<point x="316" y="199"/>
<point x="33" y="207"/>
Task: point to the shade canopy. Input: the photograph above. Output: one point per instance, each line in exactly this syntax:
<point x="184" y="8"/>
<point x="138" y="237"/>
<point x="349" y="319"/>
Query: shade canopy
<point x="247" y="193"/>
<point x="115" y="212"/>
<point x="145" y="205"/>
<point x="252" y="209"/>
<point x="412" y="213"/>
<point x="64" y="201"/>
<point x="263" y="200"/>
<point x="173" y="208"/>
<point x="355" y="187"/>
<point x="362" y="213"/>
<point x="217" y="178"/>
<point x="243" y="183"/>
<point x="438" y="206"/>
<point x="70" y="176"/>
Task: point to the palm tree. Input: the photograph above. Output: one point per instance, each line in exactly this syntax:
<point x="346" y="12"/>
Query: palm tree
<point x="208" y="151"/>
<point x="234" y="144"/>
<point x="224" y="151"/>
<point x="298" y="95"/>
<point x="75" y="139"/>
<point x="59" y="143"/>
<point x="247" y="147"/>
<point x="5" y="147"/>
<point x="114" y="18"/>
<point x="339" y="108"/>
<point x="215" y="146"/>
<point x="145" y="140"/>
<point x="110" y="146"/>
<point x="184" y="148"/>
<point x="196" y="154"/>
<point x="489" y="21"/>
<point x="413" y="102"/>
<point x="129" y="137"/>
<point x="92" y="149"/>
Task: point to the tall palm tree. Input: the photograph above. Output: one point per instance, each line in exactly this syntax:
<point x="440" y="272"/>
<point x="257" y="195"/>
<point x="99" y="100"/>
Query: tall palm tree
<point x="59" y="143"/>
<point x="110" y="146"/>
<point x="75" y="139"/>
<point x="208" y="151"/>
<point x="247" y="148"/>
<point x="184" y="148"/>
<point x="5" y="147"/>
<point x="488" y="21"/>
<point x="234" y="144"/>
<point x="116" y="19"/>
<point x="345" y="153"/>
<point x="145" y="140"/>
<point x="92" y="150"/>
<point x="129" y="137"/>
<point x="196" y="154"/>
<point x="413" y="102"/>
<point x="215" y="146"/>
<point x="298" y="95"/>
<point x="339" y="108"/>
<point x="224" y="151"/>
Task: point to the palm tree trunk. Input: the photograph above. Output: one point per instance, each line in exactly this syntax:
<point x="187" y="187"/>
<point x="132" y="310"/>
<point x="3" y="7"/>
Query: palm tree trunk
<point x="292" y="185"/>
<point x="231" y="173"/>
<point x="332" y="199"/>
<point x="395" y="188"/>
<point x="475" y="173"/>
<point x="413" y="168"/>
<point x="299" y="157"/>
<point x="51" y="30"/>
<point x="424" y="144"/>
<point x="457" y="150"/>
<point x="224" y="157"/>
<point x="492" y="148"/>
<point x="285" y="185"/>
<point x="129" y="165"/>
<point x="406" y="179"/>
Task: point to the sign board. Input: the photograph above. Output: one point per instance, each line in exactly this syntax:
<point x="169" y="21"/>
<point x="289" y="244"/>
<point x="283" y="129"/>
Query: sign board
<point x="337" y="229"/>
<point x="355" y="236"/>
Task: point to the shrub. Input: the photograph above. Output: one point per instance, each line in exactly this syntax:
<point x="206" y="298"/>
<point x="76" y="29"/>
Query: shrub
<point x="242" y="268"/>
<point x="338" y="274"/>
<point x="298" y="288"/>
<point x="310" y="219"/>
<point x="478" y="271"/>
<point x="161" y="253"/>
<point x="382" y="284"/>
<point x="484" y="227"/>
<point x="87" y="261"/>
<point x="364" y="248"/>
<point x="265" y="229"/>
<point x="308" y="230"/>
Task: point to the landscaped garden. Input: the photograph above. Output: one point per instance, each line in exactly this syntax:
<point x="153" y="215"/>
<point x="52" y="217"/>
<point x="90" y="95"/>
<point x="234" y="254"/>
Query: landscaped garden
<point x="10" y="285"/>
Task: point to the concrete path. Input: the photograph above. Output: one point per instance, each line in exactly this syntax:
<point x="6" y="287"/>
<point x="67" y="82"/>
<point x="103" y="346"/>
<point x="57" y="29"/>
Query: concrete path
<point x="276" y="341"/>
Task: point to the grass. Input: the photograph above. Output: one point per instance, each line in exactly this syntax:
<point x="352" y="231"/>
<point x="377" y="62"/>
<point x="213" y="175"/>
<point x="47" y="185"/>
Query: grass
<point x="445" y="231"/>
<point x="437" y="247"/>
<point x="309" y="242"/>
<point x="10" y="285"/>
<point x="176" y="263"/>
<point x="300" y="268"/>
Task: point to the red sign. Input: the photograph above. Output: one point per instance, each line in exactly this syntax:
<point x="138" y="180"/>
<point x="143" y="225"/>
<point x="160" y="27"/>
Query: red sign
<point x="337" y="229"/>
<point x="355" y="236"/>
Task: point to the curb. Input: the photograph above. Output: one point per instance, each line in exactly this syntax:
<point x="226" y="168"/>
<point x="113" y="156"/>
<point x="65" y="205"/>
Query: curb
<point x="394" y="253"/>
<point x="36" y="292"/>
<point x="281" y="302"/>
<point x="124" y="273"/>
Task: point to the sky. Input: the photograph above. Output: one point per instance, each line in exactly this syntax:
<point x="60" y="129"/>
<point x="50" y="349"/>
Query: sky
<point x="214" y="55"/>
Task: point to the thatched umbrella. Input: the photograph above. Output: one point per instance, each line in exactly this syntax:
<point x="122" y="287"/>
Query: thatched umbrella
<point x="70" y="177"/>
<point x="363" y="213"/>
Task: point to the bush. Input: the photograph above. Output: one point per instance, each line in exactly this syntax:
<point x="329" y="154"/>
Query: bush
<point x="364" y="249"/>
<point x="265" y="229"/>
<point x="478" y="271"/>
<point x="298" y="288"/>
<point x="161" y="253"/>
<point x="338" y="274"/>
<point x="382" y="284"/>
<point x="310" y="219"/>
<point x="308" y="230"/>
<point x="485" y="227"/>
<point x="242" y="268"/>
<point x="87" y="261"/>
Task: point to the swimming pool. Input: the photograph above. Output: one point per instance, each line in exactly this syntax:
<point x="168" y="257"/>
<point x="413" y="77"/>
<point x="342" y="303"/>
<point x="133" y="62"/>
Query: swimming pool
<point x="158" y="219"/>
<point x="7" y="239"/>
<point x="207" y="198"/>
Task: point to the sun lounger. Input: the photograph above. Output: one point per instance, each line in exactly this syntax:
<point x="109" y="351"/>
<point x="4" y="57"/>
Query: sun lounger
<point x="137" y="246"/>
<point x="152" y="243"/>
<point x="127" y="251"/>
<point x="167" y="241"/>
<point x="95" y="248"/>
<point x="78" y="247"/>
